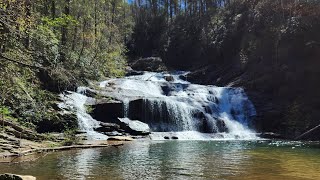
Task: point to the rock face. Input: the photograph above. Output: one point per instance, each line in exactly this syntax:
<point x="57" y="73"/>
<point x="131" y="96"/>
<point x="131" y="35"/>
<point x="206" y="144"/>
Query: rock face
<point x="108" y="112"/>
<point x="15" y="177"/>
<point x="108" y="127"/>
<point x="154" y="64"/>
<point x="134" y="127"/>
<point x="120" y="138"/>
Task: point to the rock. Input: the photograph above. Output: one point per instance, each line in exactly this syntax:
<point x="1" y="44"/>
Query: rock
<point x="183" y="77"/>
<point x="270" y="135"/>
<point x="154" y="64"/>
<point x="113" y="133"/>
<point x="8" y="148"/>
<point x="15" y="177"/>
<point x="166" y="137"/>
<point x="80" y="132"/>
<point x="222" y="126"/>
<point x="134" y="127"/>
<point x="108" y="111"/>
<point x="134" y="73"/>
<point x="120" y="138"/>
<point x="174" y="137"/>
<point x="128" y="69"/>
<point x="89" y="93"/>
<point x="107" y="127"/>
<point x="25" y="134"/>
<point x="169" y="78"/>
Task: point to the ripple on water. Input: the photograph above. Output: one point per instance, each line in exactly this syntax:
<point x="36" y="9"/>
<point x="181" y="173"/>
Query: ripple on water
<point x="180" y="160"/>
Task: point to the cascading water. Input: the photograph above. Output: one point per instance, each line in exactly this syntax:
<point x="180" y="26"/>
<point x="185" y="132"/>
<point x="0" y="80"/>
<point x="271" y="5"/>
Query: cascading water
<point x="75" y="101"/>
<point x="173" y="106"/>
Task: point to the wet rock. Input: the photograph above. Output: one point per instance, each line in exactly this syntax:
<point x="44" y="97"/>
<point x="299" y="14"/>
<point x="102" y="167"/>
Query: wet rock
<point x="120" y="138"/>
<point x="270" y="135"/>
<point x="89" y="93"/>
<point x="108" y="111"/>
<point x="183" y="77"/>
<point x="174" y="137"/>
<point x="15" y="177"/>
<point x="113" y="133"/>
<point x="169" y="78"/>
<point x="107" y="127"/>
<point x="134" y="127"/>
<point x="166" y="137"/>
<point x="222" y="126"/>
<point x="134" y="73"/>
<point x="80" y="132"/>
<point x="154" y="64"/>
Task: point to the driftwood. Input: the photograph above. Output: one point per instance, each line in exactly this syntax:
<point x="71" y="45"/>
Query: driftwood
<point x="308" y="132"/>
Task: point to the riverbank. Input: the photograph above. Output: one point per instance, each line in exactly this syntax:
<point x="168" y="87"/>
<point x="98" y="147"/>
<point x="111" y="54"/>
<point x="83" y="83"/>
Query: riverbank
<point x="18" y="142"/>
<point x="31" y="151"/>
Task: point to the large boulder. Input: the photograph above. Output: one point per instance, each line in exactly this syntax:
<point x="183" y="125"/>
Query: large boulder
<point x="120" y="138"/>
<point x="154" y="64"/>
<point x="134" y="127"/>
<point x="108" y="111"/>
<point x="107" y="127"/>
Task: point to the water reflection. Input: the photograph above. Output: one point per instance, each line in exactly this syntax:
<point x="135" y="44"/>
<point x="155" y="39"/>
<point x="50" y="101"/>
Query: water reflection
<point x="80" y="165"/>
<point x="178" y="160"/>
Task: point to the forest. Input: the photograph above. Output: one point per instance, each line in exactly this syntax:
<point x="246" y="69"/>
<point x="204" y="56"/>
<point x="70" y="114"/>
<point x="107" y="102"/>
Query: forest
<point x="270" y="48"/>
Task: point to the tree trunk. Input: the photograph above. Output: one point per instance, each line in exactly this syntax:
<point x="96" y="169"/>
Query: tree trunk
<point x="64" y="31"/>
<point x="28" y="22"/>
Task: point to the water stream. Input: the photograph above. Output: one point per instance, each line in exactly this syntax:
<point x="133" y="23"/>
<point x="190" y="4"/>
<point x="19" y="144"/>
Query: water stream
<point x="172" y="106"/>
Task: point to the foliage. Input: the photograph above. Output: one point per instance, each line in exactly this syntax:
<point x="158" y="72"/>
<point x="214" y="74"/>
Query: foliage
<point x="271" y="48"/>
<point x="50" y="46"/>
<point x="70" y="138"/>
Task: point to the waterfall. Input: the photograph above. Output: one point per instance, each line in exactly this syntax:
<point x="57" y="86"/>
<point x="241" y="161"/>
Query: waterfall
<point x="169" y="103"/>
<point x="172" y="106"/>
<point x="75" y="102"/>
<point x="126" y="107"/>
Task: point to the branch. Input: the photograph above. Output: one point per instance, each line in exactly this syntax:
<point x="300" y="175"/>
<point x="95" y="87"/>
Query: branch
<point x="307" y="133"/>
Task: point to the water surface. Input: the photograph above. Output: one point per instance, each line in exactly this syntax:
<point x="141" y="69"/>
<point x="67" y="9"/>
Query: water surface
<point x="180" y="160"/>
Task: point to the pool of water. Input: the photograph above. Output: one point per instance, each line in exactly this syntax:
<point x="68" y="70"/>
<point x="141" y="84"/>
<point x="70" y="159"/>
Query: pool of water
<point x="176" y="160"/>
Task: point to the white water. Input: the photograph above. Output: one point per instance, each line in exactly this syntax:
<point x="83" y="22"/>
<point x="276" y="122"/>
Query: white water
<point x="174" y="108"/>
<point x="75" y="101"/>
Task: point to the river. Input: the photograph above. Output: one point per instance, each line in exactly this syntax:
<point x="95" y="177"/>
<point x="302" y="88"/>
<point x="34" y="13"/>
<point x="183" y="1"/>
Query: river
<point x="145" y="159"/>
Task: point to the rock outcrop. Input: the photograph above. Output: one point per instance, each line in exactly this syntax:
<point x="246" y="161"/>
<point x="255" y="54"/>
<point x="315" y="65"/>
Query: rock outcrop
<point x="108" y="127"/>
<point x="108" y="111"/>
<point x="120" y="138"/>
<point x="154" y="64"/>
<point x="134" y="127"/>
